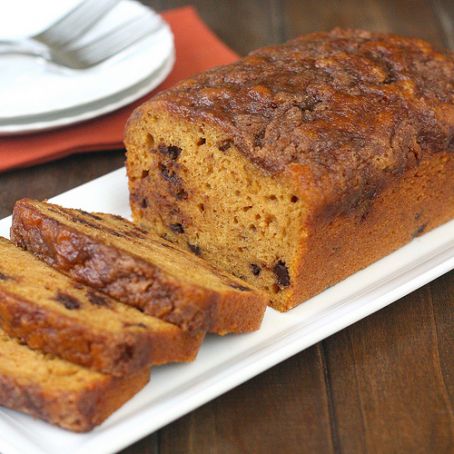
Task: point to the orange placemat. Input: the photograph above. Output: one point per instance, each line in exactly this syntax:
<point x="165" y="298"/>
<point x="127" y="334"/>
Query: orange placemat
<point x="197" y="49"/>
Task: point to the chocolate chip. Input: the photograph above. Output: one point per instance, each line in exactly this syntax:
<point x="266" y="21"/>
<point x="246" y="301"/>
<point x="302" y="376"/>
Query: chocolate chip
<point x="172" y="151"/>
<point x="389" y="79"/>
<point x="418" y="215"/>
<point x="181" y="195"/>
<point x="175" y="181"/>
<point x="259" y="138"/>
<point x="4" y="277"/>
<point x="419" y="230"/>
<point x="239" y="287"/>
<point x="176" y="228"/>
<point x="68" y="301"/>
<point x="282" y="275"/>
<point x="195" y="249"/>
<point x="451" y="143"/>
<point x="201" y="141"/>
<point x="169" y="175"/>
<point x="96" y="298"/>
<point x="144" y="203"/>
<point x="127" y="354"/>
<point x="256" y="270"/>
<point x="165" y="172"/>
<point x="225" y="145"/>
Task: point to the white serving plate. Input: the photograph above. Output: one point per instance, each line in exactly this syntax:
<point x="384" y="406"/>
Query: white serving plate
<point x="31" y="88"/>
<point x="225" y="362"/>
<point x="65" y="117"/>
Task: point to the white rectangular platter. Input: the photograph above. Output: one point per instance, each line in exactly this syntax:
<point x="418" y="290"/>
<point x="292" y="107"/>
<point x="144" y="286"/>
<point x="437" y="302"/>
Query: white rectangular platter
<point x="224" y="363"/>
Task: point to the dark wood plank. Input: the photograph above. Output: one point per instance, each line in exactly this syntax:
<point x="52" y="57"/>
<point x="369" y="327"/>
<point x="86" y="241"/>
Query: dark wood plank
<point x="407" y="17"/>
<point x="317" y="15"/>
<point x="148" y="445"/>
<point x="413" y="18"/>
<point x="444" y="10"/>
<point x="442" y="298"/>
<point x="390" y="376"/>
<point x="242" y="25"/>
<point x="46" y="180"/>
<point x="279" y="411"/>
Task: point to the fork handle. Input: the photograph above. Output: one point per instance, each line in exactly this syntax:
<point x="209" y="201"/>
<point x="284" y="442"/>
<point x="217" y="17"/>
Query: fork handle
<point x="24" y="47"/>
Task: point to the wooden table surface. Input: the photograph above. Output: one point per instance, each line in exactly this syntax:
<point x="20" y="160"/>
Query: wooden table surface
<point x="383" y="385"/>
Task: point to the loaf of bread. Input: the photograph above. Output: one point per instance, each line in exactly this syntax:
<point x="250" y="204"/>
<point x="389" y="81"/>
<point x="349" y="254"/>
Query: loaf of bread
<point x="60" y="392"/>
<point x="138" y="268"/>
<point x="301" y="163"/>
<point x="49" y="311"/>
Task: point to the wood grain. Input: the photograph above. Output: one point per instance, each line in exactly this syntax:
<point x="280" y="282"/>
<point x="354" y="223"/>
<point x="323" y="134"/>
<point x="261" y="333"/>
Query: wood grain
<point x="46" y="180"/>
<point x="386" y="377"/>
<point x="383" y="385"/>
<point x="264" y="420"/>
<point x="254" y="19"/>
<point x="444" y="10"/>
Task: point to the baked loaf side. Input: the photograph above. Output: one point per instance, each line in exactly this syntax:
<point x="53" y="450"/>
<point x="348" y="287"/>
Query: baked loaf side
<point x="138" y="268"/>
<point x="301" y="163"/>
<point x="51" y="312"/>
<point x="60" y="392"/>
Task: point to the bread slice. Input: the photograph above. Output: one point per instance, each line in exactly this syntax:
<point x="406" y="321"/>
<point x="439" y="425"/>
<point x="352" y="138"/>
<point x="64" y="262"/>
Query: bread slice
<point x="301" y="163"/>
<point x="58" y="391"/>
<point x="138" y="268"/>
<point x="51" y="312"/>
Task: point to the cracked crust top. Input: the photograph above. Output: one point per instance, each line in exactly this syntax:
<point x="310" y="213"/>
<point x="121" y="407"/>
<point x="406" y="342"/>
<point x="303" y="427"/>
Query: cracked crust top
<point x="350" y="108"/>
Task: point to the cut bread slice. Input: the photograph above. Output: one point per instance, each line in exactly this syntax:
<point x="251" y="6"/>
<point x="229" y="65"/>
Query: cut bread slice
<point x="138" y="268"/>
<point x="58" y="391"/>
<point x="51" y="312"/>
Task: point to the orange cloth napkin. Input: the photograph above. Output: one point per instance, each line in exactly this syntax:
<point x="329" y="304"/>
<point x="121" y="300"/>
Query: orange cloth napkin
<point x="197" y="49"/>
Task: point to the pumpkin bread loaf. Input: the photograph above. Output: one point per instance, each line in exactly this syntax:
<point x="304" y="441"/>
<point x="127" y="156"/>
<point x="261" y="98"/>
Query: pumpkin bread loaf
<point x="138" y="268"/>
<point x="60" y="392"/>
<point x="50" y="312"/>
<point x="301" y="163"/>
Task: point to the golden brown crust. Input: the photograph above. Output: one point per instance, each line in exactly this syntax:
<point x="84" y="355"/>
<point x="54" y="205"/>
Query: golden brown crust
<point x="350" y="108"/>
<point x="51" y="332"/>
<point x="79" y="407"/>
<point x="75" y="411"/>
<point x="55" y="314"/>
<point x="120" y="274"/>
<point x="420" y="200"/>
<point x="129" y="277"/>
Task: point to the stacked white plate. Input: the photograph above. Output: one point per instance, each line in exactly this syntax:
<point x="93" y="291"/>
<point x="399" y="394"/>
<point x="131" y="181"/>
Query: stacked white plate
<point x="36" y="96"/>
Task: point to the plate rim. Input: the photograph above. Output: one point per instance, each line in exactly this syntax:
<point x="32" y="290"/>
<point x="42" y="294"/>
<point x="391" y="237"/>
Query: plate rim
<point x="68" y="117"/>
<point x="119" y="60"/>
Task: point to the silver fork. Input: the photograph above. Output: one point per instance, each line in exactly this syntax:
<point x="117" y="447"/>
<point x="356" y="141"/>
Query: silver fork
<point x="54" y="43"/>
<point x="109" y="44"/>
<point x="69" y="27"/>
